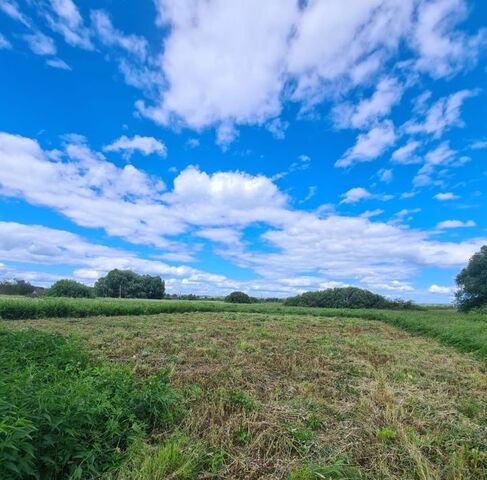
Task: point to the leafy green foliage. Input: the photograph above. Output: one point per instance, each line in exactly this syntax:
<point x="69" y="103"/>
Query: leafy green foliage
<point x="238" y="297"/>
<point x="16" y="287"/>
<point x="472" y="282"/>
<point x="70" y="288"/>
<point x="127" y="284"/>
<point x="63" y="416"/>
<point x="347" y="297"/>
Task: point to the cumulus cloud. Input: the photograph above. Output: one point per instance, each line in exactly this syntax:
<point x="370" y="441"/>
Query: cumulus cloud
<point x="144" y="145"/>
<point x="369" y="146"/>
<point x="214" y="64"/>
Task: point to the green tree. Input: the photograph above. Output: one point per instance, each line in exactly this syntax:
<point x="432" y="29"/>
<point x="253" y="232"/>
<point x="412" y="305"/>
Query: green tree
<point x="238" y="297"/>
<point x="472" y="282"/>
<point x="69" y="288"/>
<point x="16" y="287"/>
<point x="128" y="284"/>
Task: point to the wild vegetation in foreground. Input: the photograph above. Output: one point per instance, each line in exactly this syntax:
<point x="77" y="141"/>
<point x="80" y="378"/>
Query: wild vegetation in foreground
<point x="294" y="397"/>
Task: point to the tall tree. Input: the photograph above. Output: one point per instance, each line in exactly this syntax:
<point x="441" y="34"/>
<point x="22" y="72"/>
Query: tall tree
<point x="472" y="282"/>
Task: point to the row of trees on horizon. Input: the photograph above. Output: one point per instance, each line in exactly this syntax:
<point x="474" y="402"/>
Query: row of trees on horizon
<point x="471" y="292"/>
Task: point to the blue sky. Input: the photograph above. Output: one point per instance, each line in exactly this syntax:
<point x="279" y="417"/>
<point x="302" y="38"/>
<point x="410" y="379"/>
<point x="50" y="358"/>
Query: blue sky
<point x="274" y="147"/>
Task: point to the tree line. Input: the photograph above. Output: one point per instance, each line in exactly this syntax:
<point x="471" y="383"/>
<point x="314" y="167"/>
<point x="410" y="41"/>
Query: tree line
<point x="471" y="290"/>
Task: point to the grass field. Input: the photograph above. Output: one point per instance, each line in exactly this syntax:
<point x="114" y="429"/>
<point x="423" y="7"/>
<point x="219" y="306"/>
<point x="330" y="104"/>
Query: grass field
<point x="299" y="394"/>
<point x="467" y="333"/>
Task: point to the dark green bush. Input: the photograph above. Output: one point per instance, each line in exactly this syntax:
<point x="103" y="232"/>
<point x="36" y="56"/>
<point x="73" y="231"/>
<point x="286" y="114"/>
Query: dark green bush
<point x="70" y="288"/>
<point x="347" y="297"/>
<point x="64" y="416"/>
<point x="238" y="297"/>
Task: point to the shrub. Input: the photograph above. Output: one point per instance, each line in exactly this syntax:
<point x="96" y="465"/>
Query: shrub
<point x="63" y="416"/>
<point x="69" y="288"/>
<point x="238" y="297"/>
<point x="347" y="297"/>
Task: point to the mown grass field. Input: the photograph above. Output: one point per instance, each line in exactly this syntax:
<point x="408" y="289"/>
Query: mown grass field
<point x="274" y="392"/>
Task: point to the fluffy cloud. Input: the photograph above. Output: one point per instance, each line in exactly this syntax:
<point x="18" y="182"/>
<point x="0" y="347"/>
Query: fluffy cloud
<point x="214" y="63"/>
<point x="387" y="94"/>
<point x="405" y="155"/>
<point x="144" y="145"/>
<point x="441" y="290"/>
<point x="455" y="224"/>
<point x="443" y="114"/>
<point x="445" y="196"/>
<point x="369" y="146"/>
<point x="442" y="49"/>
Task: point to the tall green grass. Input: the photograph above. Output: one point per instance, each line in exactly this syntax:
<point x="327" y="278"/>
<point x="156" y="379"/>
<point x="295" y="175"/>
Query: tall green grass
<point x="64" y="416"/>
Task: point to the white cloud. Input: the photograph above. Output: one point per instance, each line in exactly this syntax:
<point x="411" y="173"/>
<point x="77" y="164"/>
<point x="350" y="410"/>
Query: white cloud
<point x="445" y="196"/>
<point x="65" y="19"/>
<point x="442" y="49"/>
<point x="405" y="155"/>
<point x="41" y="245"/>
<point x="11" y="8"/>
<point x="369" y="146"/>
<point x="4" y="43"/>
<point x="58" y="63"/>
<point x="441" y="290"/>
<point x="367" y="112"/>
<point x="144" y="145"/>
<point x="358" y="194"/>
<point x="222" y="235"/>
<point x="355" y="195"/>
<point x="40" y="44"/>
<point x="455" y="224"/>
<point x="112" y="37"/>
<point x="441" y="156"/>
<point x="385" y="175"/>
<point x="214" y="63"/>
<point x="443" y="114"/>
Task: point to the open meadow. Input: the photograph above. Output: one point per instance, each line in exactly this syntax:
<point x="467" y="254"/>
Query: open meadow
<point x="266" y="391"/>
